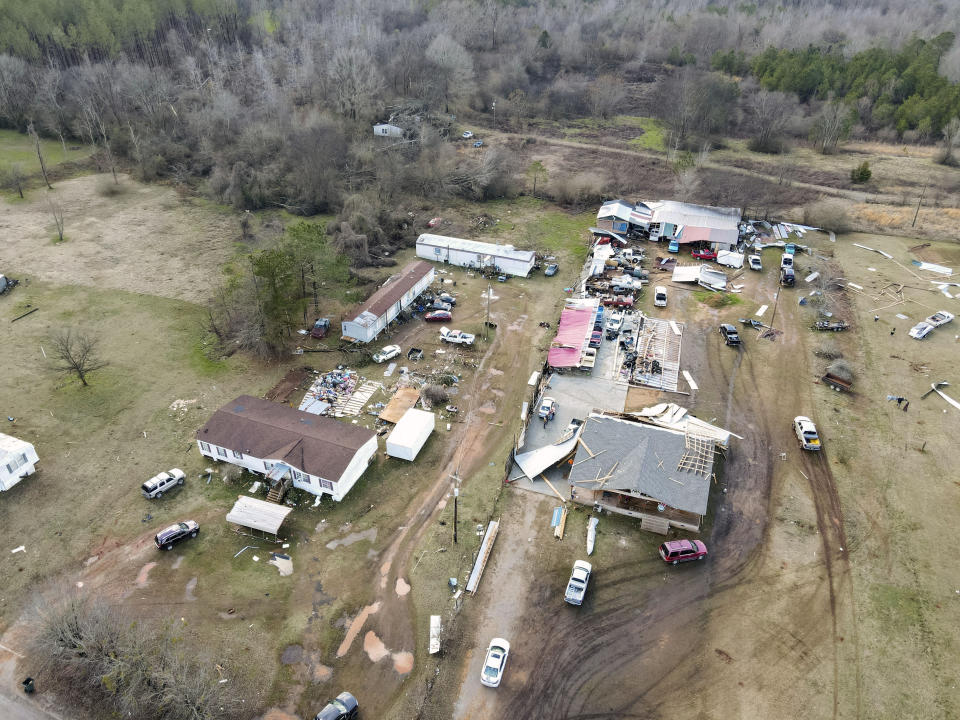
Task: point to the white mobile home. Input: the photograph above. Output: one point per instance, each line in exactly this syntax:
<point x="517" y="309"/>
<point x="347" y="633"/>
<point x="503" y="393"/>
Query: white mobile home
<point x="290" y="447"/>
<point x="504" y="259"/>
<point x="372" y="316"/>
<point x="410" y="434"/>
<point x="17" y="460"/>
<point x="387" y="130"/>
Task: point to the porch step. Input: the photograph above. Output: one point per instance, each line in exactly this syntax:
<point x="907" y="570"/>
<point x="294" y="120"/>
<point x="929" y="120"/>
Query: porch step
<point x="655" y="524"/>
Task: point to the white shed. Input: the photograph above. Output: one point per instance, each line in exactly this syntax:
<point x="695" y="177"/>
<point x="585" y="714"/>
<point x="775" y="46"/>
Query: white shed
<point x="475" y="254"/>
<point x="17" y="460"/>
<point x="410" y="434"/>
<point x="387" y="130"/>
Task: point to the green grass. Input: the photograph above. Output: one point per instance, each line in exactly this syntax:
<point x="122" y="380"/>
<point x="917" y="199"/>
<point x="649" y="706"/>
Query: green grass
<point x="653" y="137"/>
<point x="717" y="300"/>
<point x="19" y="148"/>
<point x="533" y="223"/>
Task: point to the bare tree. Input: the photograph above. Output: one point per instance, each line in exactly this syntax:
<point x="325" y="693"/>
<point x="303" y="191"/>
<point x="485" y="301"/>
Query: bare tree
<point x="769" y="114"/>
<point x="951" y="139"/>
<point x="607" y="93"/>
<point x="831" y="126"/>
<point x="536" y="172"/>
<point x="454" y="78"/>
<point x="56" y="211"/>
<point x="12" y="178"/>
<point x="43" y="166"/>
<point x="76" y="352"/>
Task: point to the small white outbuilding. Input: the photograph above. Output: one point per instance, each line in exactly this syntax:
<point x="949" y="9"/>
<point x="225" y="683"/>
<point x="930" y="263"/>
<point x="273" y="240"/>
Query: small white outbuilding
<point x="410" y="434"/>
<point x="17" y="460"/>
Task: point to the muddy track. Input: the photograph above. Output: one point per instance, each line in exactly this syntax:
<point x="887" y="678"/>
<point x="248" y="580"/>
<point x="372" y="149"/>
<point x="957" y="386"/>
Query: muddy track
<point x="836" y="562"/>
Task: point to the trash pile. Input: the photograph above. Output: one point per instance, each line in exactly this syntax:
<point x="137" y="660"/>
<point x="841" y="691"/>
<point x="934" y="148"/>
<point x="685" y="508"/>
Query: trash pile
<point x="329" y="388"/>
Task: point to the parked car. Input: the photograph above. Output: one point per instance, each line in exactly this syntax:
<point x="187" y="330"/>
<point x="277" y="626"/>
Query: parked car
<point x="467" y="135"/>
<point x="786" y="261"/>
<point x="787" y="277"/>
<point x="320" y="328"/>
<point x="343" y="707"/>
<point x="754" y="262"/>
<point x="457" y="337"/>
<point x="494" y="663"/>
<point x="596" y="337"/>
<point x="548" y="408"/>
<point x="478" y="143"/>
<point x="170" y="536"/>
<point x="659" y="296"/>
<point x="577" y="585"/>
<point x="551" y="269"/>
<point x="157" y="485"/>
<point x="678" y="551"/>
<point x="501" y="278"/>
<point x="388" y="353"/>
<point x="447" y="298"/>
<point x="790" y="249"/>
<point x="730" y="334"/>
<point x="923" y="328"/>
<point x="441" y="305"/>
<point x="806" y="433"/>
<point x="438" y="316"/>
<point x="704" y="254"/>
<point x="434" y="222"/>
<point x="673" y="247"/>
<point x="614" y="323"/>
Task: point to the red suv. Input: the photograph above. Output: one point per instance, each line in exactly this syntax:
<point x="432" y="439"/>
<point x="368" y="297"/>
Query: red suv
<point x="676" y="551"/>
<point x="704" y="254"/>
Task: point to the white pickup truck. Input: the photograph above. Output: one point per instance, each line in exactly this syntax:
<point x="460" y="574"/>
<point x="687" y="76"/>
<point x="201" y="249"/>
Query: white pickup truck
<point x="922" y="329"/>
<point x="456" y="337"/>
<point x="577" y="585"/>
<point x="588" y="359"/>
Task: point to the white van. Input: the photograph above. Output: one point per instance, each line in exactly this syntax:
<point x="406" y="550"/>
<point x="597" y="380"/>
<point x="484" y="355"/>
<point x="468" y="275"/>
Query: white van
<point x="659" y="296"/>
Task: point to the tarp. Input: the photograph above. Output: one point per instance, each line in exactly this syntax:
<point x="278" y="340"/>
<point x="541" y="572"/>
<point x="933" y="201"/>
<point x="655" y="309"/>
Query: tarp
<point x="573" y="331"/>
<point x="258" y="514"/>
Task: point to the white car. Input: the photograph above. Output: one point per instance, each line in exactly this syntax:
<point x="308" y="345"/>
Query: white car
<point x="457" y="337"/>
<point x="493" y="664"/>
<point x="806" y="433"/>
<point x="577" y="585"/>
<point x="754" y="262"/>
<point x="786" y="261"/>
<point x="159" y="484"/>
<point x="659" y="296"/>
<point x="615" y="322"/>
<point x="467" y="135"/>
<point x="548" y="408"/>
<point x="388" y="353"/>
<point x="923" y="328"/>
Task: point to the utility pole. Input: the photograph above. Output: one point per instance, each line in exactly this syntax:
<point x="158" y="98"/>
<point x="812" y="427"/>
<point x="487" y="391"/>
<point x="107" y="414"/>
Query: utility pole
<point x="922" y="192"/>
<point x="456" y="497"/>
<point x="494" y="114"/>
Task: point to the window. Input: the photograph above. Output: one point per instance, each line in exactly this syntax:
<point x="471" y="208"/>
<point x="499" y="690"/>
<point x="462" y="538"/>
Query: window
<point x="326" y="484"/>
<point x="268" y="466"/>
<point x="205" y="446"/>
<point x="17" y="462"/>
<point x="302" y="477"/>
<point x="221" y="452"/>
<point x="238" y="454"/>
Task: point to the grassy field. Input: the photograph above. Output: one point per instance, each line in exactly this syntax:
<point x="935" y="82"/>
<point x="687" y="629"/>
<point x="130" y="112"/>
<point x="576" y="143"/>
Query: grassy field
<point x="19" y="148"/>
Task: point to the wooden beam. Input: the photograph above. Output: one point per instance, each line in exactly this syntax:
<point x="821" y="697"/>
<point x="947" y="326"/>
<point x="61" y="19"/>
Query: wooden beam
<point x="587" y="448"/>
<point x="558" y="531"/>
<point x="550" y="485"/>
<point x="589" y="458"/>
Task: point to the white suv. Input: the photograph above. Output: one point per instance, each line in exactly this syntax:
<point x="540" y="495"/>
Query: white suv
<point x="159" y="484"/>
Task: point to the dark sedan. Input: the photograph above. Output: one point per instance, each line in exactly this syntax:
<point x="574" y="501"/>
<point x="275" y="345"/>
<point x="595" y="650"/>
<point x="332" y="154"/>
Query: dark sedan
<point x="438" y="316"/>
<point x="343" y="707"/>
<point x="168" y="537"/>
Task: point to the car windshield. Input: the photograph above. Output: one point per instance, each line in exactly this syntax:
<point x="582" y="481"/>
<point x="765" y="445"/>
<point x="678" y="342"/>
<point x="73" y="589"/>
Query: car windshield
<point x="182" y="526"/>
<point x="339" y="706"/>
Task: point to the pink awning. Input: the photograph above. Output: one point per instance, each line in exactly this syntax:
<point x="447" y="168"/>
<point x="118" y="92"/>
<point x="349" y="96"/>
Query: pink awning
<point x="573" y="331"/>
<point x="692" y="234"/>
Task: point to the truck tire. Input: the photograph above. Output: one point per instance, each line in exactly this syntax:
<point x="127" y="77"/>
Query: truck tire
<point x="180" y="481"/>
<point x="193" y="534"/>
<point x="159" y="494"/>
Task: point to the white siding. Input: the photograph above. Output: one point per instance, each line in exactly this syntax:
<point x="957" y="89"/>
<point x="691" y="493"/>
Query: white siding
<point x="474" y="254"/>
<point x="18" y="459"/>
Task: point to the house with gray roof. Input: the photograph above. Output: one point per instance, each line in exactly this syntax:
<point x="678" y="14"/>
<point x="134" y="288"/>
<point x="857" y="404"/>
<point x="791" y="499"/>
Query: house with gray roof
<point x="659" y="475"/>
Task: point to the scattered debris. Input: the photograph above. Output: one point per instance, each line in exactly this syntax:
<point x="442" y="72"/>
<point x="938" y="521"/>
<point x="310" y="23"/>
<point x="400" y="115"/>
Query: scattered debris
<point x="282" y="562"/>
<point x="22" y="548"/>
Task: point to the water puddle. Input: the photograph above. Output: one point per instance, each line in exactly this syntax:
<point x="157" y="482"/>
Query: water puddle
<point x="403" y="587"/>
<point x="377" y="651"/>
<point x="352" y="538"/>
<point x="191" y="586"/>
<point x="356" y="626"/>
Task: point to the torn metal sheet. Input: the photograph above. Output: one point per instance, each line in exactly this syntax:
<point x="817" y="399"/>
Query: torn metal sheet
<point x="881" y="252"/>
<point x="690" y="382"/>
<point x="936" y="389"/>
<point x="761" y="311"/>
<point x="675" y="417"/>
<point x="537" y="461"/>
<point x="933" y="268"/>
